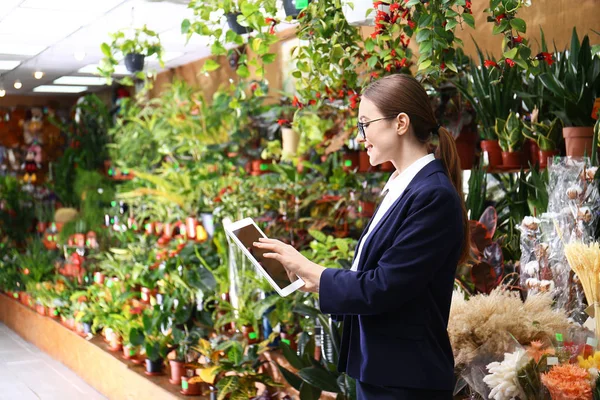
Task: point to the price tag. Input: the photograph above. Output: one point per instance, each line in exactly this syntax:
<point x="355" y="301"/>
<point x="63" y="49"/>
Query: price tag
<point x="184" y="385"/>
<point x="286" y="341"/>
<point x="552" y="361"/>
<point x="559" y="337"/>
<point x="301" y="4"/>
<point x="252" y="335"/>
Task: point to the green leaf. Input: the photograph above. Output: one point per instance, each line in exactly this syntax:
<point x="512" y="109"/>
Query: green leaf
<point x="425" y="64"/>
<point x="243" y="71"/>
<point x="450" y="13"/>
<point x="451" y="24"/>
<point x="372" y="61"/>
<point x="423" y="34"/>
<point x="106" y="50"/>
<point x="450" y="65"/>
<point x="412" y="3"/>
<point x="425" y="20"/>
<point x="235" y="353"/>
<point x="211" y="65"/>
<point x="297" y="74"/>
<point x="218" y="49"/>
<point x="269" y="58"/>
<point x="469" y="20"/>
<point x="308" y="392"/>
<point x="518" y="24"/>
<point x="185" y="26"/>
<point x="227" y="385"/>
<point x="500" y="28"/>
<point x="369" y="46"/>
<point x="291" y="378"/>
<point x="319" y="378"/>
<point x="511" y="53"/>
<point x="291" y="356"/>
<point x="521" y="63"/>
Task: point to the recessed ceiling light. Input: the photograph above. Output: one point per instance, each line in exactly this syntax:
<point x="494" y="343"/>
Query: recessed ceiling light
<point x="8" y="65"/>
<point x="60" y="89"/>
<point x="79" y="55"/>
<point x="80" y="80"/>
<point x="19" y="49"/>
<point x="18" y="85"/>
<point x="93" y="69"/>
<point x="38" y="74"/>
<point x="2" y="92"/>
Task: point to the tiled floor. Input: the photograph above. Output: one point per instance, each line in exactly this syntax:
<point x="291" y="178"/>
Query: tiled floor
<point x="27" y="373"/>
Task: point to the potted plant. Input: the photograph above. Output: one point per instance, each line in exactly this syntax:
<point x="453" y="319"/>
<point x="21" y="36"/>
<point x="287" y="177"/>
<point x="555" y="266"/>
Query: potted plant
<point x="510" y="137"/>
<point x="155" y="342"/>
<point x="573" y="85"/>
<point x="183" y="339"/>
<point x="547" y="136"/>
<point x="134" y="44"/>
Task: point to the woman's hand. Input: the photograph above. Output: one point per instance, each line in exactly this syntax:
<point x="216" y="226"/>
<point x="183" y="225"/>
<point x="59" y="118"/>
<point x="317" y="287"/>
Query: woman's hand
<point x="294" y="262"/>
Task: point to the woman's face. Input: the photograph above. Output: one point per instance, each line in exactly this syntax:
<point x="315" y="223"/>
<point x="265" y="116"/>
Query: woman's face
<point x="382" y="139"/>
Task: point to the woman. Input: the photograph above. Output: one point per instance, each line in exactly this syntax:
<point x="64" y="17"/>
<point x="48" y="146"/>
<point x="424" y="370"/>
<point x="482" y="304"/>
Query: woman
<point x="395" y="300"/>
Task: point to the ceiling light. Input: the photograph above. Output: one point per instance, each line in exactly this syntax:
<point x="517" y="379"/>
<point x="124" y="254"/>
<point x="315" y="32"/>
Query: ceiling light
<point x="19" y="49"/>
<point x="80" y="80"/>
<point x="2" y="92"/>
<point x="38" y="74"/>
<point x="79" y="55"/>
<point x="8" y="65"/>
<point x="18" y="85"/>
<point x="93" y="69"/>
<point x="60" y="89"/>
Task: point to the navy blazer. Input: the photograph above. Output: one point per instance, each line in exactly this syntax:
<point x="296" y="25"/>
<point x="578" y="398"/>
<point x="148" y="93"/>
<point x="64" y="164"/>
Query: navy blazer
<point x="395" y="307"/>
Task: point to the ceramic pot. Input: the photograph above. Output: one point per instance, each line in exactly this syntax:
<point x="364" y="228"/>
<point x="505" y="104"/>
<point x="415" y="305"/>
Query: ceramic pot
<point x="578" y="140"/>
<point x="494" y="152"/>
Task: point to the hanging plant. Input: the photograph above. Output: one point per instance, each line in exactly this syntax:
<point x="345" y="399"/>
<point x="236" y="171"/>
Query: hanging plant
<point x="434" y="23"/>
<point x="250" y="23"/>
<point x="134" y="49"/>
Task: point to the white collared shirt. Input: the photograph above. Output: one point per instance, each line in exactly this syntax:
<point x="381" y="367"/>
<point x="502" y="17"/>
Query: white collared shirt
<point x="395" y="187"/>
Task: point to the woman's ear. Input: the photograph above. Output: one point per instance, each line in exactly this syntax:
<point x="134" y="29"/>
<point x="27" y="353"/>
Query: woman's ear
<point x="402" y="124"/>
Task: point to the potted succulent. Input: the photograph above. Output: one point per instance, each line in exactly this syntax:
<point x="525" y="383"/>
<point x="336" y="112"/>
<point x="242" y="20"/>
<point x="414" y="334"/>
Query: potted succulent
<point x="134" y="44"/>
<point x="547" y="136"/>
<point x="510" y="137"/>
<point x="573" y="85"/>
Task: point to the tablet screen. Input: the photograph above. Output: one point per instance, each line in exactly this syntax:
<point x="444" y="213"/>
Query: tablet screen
<point x="248" y="235"/>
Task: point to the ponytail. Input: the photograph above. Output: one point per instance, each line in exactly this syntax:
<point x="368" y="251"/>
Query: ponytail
<point x="447" y="153"/>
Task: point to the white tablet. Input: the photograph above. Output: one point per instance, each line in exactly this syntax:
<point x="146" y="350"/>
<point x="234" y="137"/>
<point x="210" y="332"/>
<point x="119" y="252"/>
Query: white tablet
<point x="244" y="233"/>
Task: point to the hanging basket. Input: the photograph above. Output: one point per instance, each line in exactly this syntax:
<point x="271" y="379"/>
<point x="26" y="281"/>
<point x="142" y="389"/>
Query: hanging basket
<point x="355" y="12"/>
<point x="234" y="24"/>
<point x="134" y="62"/>
<point x="292" y="8"/>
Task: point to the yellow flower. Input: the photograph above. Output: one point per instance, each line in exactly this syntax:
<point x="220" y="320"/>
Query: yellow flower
<point x="590" y="362"/>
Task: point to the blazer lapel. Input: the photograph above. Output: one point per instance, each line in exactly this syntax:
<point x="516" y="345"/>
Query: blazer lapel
<point x="366" y="229"/>
<point x="429" y="169"/>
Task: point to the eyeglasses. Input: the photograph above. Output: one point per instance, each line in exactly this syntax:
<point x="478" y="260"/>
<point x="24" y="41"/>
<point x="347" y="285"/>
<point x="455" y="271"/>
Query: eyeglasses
<point x="363" y="125"/>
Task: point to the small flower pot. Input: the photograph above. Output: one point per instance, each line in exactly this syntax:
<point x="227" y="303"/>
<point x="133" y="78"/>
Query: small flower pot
<point x="177" y="371"/>
<point x="235" y="26"/>
<point x="41" y="227"/>
<point x="149" y="228"/>
<point x="53" y="313"/>
<point x="289" y="339"/>
<point x="114" y="342"/>
<point x="350" y="161"/>
<point x="366" y="209"/>
<point x="190" y="389"/>
<point x="134" y="62"/>
<point x="494" y="152"/>
<point x="168" y="230"/>
<point x="511" y="159"/>
<point x="191" y="223"/>
<point x="364" y="165"/>
<point x="465" y="147"/>
<point x="99" y="278"/>
<point x="544" y="155"/>
<point x="578" y="140"/>
<point x="259" y="167"/>
<point x="129" y="352"/>
<point x="534" y="152"/>
<point x="250" y="334"/>
<point x="154" y="368"/>
<point x="41" y="309"/>
<point x="291" y="9"/>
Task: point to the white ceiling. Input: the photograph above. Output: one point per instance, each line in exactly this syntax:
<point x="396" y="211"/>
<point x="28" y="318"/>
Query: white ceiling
<point x="52" y="31"/>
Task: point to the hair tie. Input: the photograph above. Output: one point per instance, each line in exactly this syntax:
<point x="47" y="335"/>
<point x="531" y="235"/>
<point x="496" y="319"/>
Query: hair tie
<point x="436" y="130"/>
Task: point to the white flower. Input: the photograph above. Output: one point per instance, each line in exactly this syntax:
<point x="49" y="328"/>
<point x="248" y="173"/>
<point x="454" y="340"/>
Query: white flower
<point x="503" y="376"/>
<point x="532" y="283"/>
<point x="574" y="191"/>
<point x="531" y="268"/>
<point x="546" y="286"/>
<point x="531" y="223"/>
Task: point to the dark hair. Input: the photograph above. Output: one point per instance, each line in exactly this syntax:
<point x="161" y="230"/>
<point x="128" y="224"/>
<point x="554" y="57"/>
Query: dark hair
<point x="400" y="93"/>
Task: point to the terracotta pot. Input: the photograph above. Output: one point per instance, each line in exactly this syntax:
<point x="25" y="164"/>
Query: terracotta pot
<point x="250" y="334"/>
<point x="41" y="227"/>
<point x="190" y="224"/>
<point x="543" y="156"/>
<point x="289" y="141"/>
<point x="40" y="309"/>
<point x="154" y="367"/>
<point x="147" y="294"/>
<point x="158" y="228"/>
<point x="99" y="278"/>
<point x="114" y="342"/>
<point x="79" y="329"/>
<point x="53" y="313"/>
<point x="511" y="159"/>
<point x="465" y="146"/>
<point x="190" y="389"/>
<point x="259" y="167"/>
<point x="578" y="140"/>
<point x="494" y="152"/>
<point x="168" y="230"/>
<point x="364" y="165"/>
<point x="534" y="152"/>
<point x="366" y="209"/>
<point x="129" y="352"/>
<point x="387" y="166"/>
<point x="149" y="228"/>
<point x="177" y="371"/>
<point x="78" y="239"/>
<point x="24" y="298"/>
<point x="350" y="160"/>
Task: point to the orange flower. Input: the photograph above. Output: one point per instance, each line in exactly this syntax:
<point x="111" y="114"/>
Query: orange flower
<point x="568" y="382"/>
<point x="536" y="351"/>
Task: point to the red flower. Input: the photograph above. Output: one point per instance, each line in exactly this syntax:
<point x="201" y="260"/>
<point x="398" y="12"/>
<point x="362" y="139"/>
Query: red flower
<point x="254" y="86"/>
<point x="490" y="63"/>
<point x="393" y="53"/>
<point x="354" y="101"/>
<point x="135" y="310"/>
<point x="546" y="57"/>
<point x="388" y="67"/>
<point x="377" y="4"/>
<point x="270" y="21"/>
<point x="518" y="39"/>
<point x="341" y="94"/>
<point x="272" y="30"/>
<point x="500" y="17"/>
<point x="374" y="35"/>
<point x="318" y="95"/>
<point x="411" y="24"/>
<point x="296" y="102"/>
<point x="405" y="13"/>
<point x="443" y="66"/>
<point x="394" y="19"/>
<point x="394" y="7"/>
<point x="468" y="4"/>
<point x="374" y="75"/>
<point x="510" y="62"/>
<point x="282" y="122"/>
<point x="312" y="102"/>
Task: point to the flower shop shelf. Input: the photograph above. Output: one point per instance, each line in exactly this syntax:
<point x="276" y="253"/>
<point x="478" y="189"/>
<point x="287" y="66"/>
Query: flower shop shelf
<point x="105" y="371"/>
